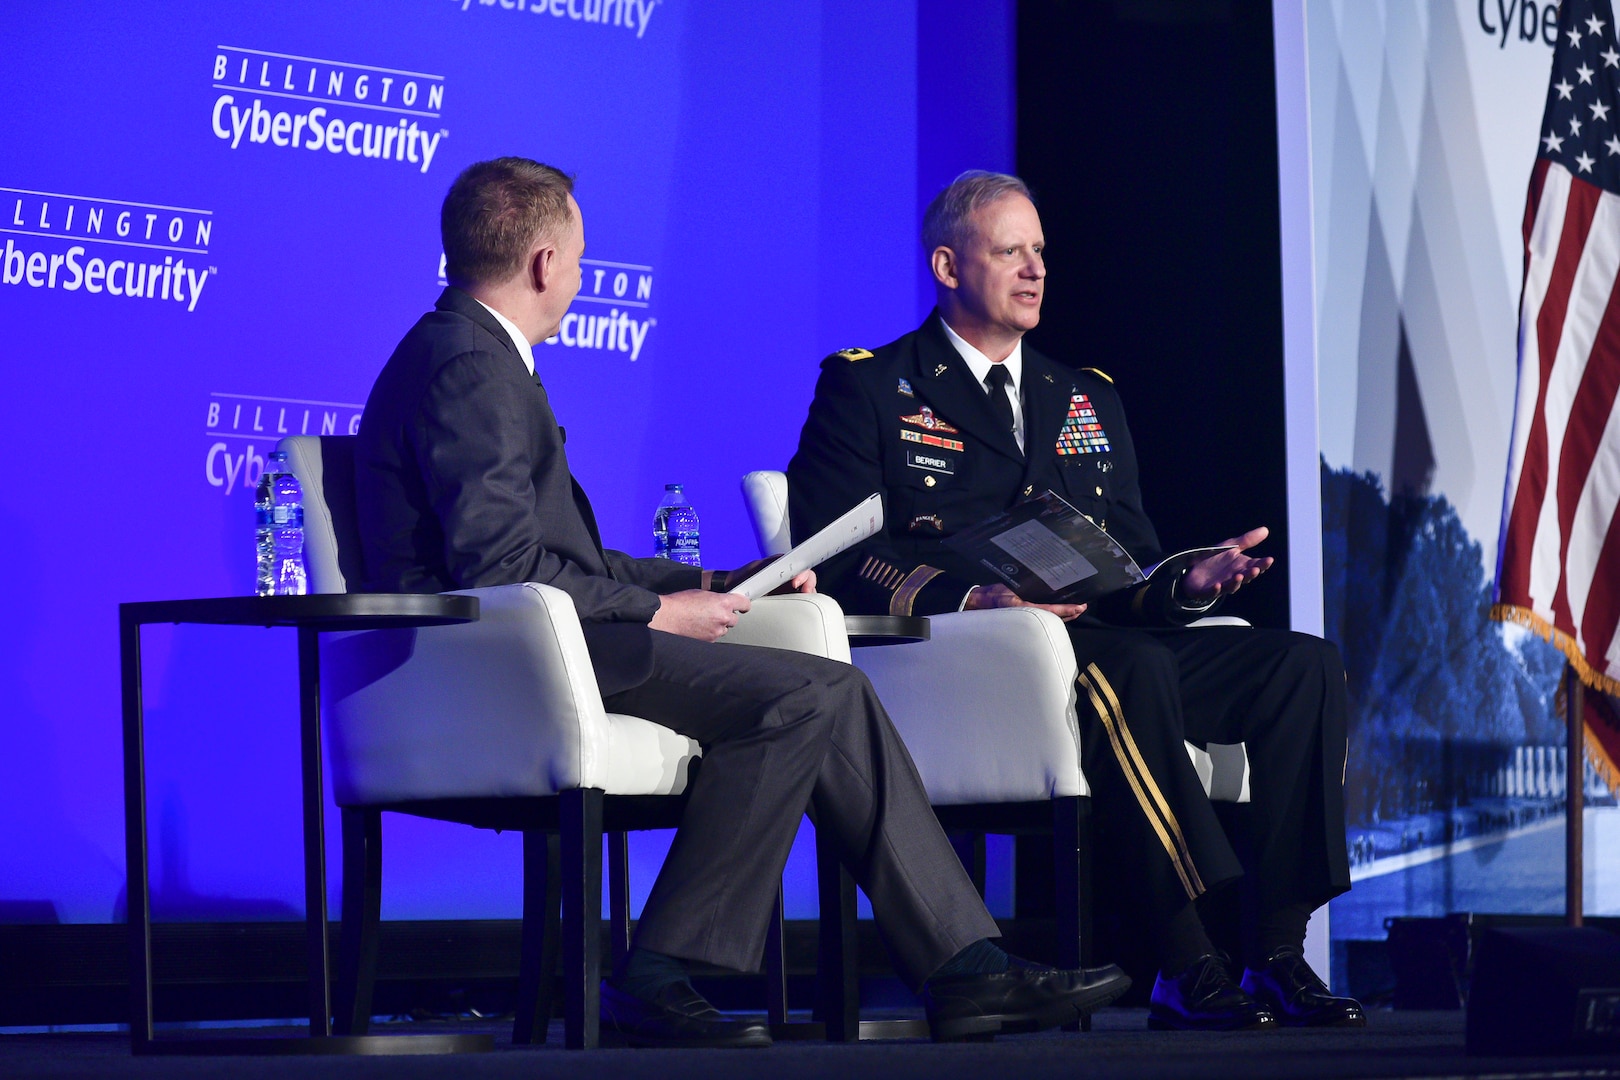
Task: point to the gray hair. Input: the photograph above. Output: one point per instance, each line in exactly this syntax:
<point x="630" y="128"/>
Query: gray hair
<point x="945" y="222"/>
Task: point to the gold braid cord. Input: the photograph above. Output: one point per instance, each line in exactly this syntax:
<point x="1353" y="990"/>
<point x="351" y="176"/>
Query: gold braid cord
<point x="1597" y="752"/>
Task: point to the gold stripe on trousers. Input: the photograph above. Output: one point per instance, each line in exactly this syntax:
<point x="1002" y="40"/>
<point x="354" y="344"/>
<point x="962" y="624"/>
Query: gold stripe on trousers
<point x="1154" y="805"/>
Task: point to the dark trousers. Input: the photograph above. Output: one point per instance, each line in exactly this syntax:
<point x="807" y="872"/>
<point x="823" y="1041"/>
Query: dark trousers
<point x="1142" y="692"/>
<point x="784" y="732"/>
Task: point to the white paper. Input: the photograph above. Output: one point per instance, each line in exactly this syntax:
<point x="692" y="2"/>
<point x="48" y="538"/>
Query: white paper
<point x="1047" y="555"/>
<point x="863" y="519"/>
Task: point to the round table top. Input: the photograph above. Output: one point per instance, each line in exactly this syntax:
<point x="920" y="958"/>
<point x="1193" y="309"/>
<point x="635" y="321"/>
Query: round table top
<point x="866" y="631"/>
<point x="324" y="611"/>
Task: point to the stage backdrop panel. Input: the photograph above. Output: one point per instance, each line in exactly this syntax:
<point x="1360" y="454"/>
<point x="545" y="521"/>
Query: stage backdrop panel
<point x="1423" y="129"/>
<point x="215" y="222"/>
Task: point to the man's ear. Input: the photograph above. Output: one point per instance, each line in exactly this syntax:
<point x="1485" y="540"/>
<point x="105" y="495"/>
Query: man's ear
<point x="943" y="263"/>
<point x="542" y="267"/>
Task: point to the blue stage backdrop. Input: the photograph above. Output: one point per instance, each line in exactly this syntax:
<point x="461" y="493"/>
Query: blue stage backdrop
<point x="217" y="219"/>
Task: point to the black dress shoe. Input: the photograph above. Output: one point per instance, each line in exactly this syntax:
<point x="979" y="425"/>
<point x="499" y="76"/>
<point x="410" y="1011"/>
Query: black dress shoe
<point x="1287" y="986"/>
<point x="678" y="1016"/>
<point x="1025" y="997"/>
<point x="1204" y="998"/>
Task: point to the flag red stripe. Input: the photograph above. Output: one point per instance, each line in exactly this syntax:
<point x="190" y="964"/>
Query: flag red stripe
<point x="1532" y="206"/>
<point x="1520" y="535"/>
<point x="1588" y="417"/>
<point x="1603" y="605"/>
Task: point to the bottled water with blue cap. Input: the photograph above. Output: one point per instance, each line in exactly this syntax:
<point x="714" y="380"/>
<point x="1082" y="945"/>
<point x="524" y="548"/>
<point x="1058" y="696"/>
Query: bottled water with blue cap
<point x="675" y="528"/>
<point x="278" y="507"/>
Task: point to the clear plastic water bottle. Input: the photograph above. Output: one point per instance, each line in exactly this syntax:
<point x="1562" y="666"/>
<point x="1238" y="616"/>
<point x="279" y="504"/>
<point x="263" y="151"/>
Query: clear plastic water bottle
<point x="675" y="528"/>
<point x="278" y="506"/>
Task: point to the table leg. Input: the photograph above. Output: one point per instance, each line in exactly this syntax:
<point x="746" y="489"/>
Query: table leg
<point x="309" y="721"/>
<point x="136" y="885"/>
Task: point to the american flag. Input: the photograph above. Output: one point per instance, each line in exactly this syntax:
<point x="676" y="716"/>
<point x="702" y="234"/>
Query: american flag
<point x="1558" y="563"/>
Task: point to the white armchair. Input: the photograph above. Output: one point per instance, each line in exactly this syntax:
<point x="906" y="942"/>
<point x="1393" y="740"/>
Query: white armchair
<point x="496" y="724"/>
<point x="1001" y="754"/>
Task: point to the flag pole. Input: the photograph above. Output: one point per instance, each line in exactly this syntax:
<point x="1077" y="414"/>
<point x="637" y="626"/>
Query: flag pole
<point x="1574" y="793"/>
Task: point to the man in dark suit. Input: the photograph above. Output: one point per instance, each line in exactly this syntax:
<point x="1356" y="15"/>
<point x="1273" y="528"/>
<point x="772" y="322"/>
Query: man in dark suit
<point x="957" y="421"/>
<point x="462" y="481"/>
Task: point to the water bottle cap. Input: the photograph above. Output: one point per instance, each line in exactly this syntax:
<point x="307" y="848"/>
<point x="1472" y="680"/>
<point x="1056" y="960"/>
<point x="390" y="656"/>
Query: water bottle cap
<point x="278" y="455"/>
<point x="672" y="487"/>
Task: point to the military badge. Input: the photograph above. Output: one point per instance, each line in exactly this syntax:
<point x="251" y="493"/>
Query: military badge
<point x="926" y="419"/>
<point x="940" y="370"/>
<point x="854" y="354"/>
<point x="930" y="436"/>
<point x="1081" y="433"/>
<point x="905" y="388"/>
<point x="927" y="521"/>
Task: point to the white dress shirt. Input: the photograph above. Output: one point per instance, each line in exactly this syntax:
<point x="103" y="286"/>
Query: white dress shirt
<point x="519" y="342"/>
<point x="980" y="365"/>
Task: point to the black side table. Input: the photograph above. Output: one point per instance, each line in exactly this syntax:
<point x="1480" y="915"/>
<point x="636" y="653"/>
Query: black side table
<point x="310" y="615"/>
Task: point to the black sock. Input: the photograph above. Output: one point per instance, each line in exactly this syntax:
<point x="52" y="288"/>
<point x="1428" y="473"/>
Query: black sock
<point x="980" y="958"/>
<point x="1183" y="941"/>
<point x="643" y="973"/>
<point x="1279" y="929"/>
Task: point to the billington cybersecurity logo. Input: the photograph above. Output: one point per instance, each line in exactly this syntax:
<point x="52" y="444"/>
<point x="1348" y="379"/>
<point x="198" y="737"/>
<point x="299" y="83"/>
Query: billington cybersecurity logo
<point x="604" y="289"/>
<point x="359" y="110"/>
<point x="105" y="247"/>
<point x="243" y="428"/>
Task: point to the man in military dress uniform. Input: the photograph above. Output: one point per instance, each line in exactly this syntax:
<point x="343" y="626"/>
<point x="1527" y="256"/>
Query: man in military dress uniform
<point x="957" y="421"/>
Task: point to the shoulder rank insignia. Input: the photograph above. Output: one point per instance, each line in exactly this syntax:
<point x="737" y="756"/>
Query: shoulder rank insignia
<point x="1081" y="433"/>
<point x="1100" y="373"/>
<point x="905" y="388"/>
<point x="853" y="355"/>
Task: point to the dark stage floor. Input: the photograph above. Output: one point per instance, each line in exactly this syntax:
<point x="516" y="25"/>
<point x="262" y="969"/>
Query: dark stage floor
<point x="1393" y="1045"/>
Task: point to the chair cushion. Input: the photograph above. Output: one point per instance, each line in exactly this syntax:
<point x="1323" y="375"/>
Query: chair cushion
<point x="979" y="738"/>
<point x="505" y="706"/>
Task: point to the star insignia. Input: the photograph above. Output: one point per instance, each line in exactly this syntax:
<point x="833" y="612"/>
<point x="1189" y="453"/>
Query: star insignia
<point x="1613" y="144"/>
<point x="1585" y="73"/>
<point x="1563" y="87"/>
<point x="1610" y="58"/>
<point x="1574" y="125"/>
<point x="1585" y="162"/>
<point x="1574" y="36"/>
<point x="1595" y="24"/>
<point x="1555" y="143"/>
<point x="1600" y="111"/>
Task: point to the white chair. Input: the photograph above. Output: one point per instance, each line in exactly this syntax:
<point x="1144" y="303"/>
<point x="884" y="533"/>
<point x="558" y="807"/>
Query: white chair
<point x="998" y="754"/>
<point x="496" y="724"/>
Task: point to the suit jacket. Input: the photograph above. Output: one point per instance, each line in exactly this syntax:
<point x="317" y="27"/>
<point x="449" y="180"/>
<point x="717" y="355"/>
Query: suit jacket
<point x="911" y="421"/>
<point x="461" y="481"/>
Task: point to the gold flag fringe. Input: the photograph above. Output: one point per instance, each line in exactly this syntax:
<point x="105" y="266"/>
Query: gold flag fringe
<point x="1596" y="752"/>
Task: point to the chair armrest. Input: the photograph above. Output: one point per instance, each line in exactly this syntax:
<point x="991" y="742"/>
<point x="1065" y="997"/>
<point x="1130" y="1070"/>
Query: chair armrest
<point x="986" y="706"/>
<point x="505" y="706"/>
<point x="803" y="622"/>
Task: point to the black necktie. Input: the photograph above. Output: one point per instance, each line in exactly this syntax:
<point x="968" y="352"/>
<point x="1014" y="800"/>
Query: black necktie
<point x="998" y="380"/>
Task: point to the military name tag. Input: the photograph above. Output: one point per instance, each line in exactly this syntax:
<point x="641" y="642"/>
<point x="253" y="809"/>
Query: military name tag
<point x="939" y="463"/>
<point x="1081" y="433"/>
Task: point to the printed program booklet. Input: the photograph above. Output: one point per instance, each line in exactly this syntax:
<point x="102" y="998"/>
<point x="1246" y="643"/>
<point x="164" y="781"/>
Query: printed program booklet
<point x="863" y="519"/>
<point x="1048" y="552"/>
